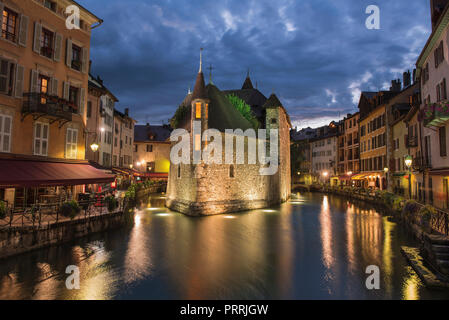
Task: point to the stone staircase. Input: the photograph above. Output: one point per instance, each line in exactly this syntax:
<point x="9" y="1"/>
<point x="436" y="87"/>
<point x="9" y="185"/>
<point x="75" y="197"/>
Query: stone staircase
<point x="436" y="250"/>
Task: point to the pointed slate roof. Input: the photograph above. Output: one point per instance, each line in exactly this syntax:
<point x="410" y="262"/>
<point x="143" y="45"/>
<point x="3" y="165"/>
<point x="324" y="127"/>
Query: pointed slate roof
<point x="247" y="84"/>
<point x="272" y="102"/>
<point x="199" y="92"/>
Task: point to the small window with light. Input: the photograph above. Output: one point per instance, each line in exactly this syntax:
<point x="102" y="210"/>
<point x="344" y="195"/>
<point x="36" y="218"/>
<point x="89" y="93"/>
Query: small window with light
<point x="198" y="110"/>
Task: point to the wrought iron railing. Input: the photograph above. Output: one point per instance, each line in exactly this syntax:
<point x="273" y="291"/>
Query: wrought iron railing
<point x="41" y="215"/>
<point x="42" y="103"/>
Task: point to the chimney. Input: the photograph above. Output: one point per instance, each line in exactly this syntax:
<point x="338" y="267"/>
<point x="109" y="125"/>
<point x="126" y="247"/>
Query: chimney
<point x="148" y="124"/>
<point x="414" y="76"/>
<point x="407" y="79"/>
<point x="126" y="111"/>
<point x="395" y="85"/>
<point x="436" y="9"/>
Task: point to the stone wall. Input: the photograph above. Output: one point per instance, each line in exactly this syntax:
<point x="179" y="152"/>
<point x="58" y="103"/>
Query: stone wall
<point x="19" y="240"/>
<point x="207" y="189"/>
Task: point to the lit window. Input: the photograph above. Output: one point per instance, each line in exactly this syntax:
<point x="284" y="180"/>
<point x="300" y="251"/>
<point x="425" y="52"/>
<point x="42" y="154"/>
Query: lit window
<point x="41" y="139"/>
<point x="206" y="111"/>
<point x="198" y="110"/>
<point x="197" y="142"/>
<point x="71" y="143"/>
<point x="9" y="25"/>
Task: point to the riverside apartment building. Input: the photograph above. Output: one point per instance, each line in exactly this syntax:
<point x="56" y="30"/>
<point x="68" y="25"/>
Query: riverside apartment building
<point x="43" y="91"/>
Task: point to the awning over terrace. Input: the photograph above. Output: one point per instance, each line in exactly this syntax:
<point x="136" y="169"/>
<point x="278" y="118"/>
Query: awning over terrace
<point x="31" y="173"/>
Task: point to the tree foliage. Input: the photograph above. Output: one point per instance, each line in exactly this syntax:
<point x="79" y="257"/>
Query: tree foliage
<point x="180" y="114"/>
<point x="244" y="109"/>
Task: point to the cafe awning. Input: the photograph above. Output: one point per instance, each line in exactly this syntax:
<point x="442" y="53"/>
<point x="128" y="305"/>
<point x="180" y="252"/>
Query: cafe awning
<point x="31" y="173"/>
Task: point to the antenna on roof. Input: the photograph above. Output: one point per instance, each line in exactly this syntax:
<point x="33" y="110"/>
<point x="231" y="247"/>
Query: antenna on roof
<point x="189" y="92"/>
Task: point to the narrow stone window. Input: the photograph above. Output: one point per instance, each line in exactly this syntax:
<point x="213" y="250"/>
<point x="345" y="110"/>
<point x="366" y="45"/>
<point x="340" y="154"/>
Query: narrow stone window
<point x="231" y="171"/>
<point x="273" y="121"/>
<point x="198" y="110"/>
<point x="206" y="111"/>
<point x="179" y="171"/>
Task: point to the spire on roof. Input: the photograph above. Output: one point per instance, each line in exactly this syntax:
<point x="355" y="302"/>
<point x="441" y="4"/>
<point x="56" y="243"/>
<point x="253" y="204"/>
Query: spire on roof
<point x="247" y="84"/>
<point x="272" y="102"/>
<point x="201" y="60"/>
<point x="199" y="91"/>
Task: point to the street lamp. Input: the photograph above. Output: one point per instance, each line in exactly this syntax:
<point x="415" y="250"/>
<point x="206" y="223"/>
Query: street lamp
<point x="94" y="146"/>
<point x="408" y="163"/>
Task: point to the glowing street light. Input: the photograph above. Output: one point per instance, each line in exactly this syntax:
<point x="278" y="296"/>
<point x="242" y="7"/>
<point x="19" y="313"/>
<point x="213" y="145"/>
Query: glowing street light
<point x="386" y="170"/>
<point x="408" y="161"/>
<point x="349" y="173"/>
<point x="94" y="146"/>
<point x="325" y="174"/>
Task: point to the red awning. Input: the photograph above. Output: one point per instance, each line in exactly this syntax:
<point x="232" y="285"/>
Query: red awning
<point x="23" y="173"/>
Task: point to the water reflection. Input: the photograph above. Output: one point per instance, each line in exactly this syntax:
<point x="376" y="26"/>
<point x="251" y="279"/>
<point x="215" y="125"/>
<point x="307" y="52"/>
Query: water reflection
<point x="314" y="247"/>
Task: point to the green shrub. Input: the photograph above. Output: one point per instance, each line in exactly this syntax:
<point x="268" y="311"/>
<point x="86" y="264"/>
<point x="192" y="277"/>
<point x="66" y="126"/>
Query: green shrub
<point x="2" y="209"/>
<point x="398" y="204"/>
<point x="426" y="214"/>
<point x="244" y="109"/>
<point x="112" y="203"/>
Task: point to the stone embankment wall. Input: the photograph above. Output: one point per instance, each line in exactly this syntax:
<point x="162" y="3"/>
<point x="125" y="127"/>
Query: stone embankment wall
<point x="23" y="239"/>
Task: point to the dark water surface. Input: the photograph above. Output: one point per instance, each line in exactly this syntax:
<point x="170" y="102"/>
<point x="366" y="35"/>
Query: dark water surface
<point x="316" y="247"/>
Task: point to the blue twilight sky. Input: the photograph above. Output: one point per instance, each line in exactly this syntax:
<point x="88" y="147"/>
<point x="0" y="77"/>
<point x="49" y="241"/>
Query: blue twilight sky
<point x="317" y="55"/>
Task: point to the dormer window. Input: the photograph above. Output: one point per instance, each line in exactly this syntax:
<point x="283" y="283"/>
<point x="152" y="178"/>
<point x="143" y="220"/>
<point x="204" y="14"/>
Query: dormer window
<point x="198" y="110"/>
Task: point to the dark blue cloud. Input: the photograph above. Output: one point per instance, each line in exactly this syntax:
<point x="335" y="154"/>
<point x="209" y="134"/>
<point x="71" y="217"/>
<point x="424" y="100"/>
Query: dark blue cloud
<point x="315" y="54"/>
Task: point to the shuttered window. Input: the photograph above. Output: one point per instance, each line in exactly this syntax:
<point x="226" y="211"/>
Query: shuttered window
<point x="5" y="133"/>
<point x="9" y="24"/>
<point x="443" y="146"/>
<point x="71" y="143"/>
<point x="41" y="132"/>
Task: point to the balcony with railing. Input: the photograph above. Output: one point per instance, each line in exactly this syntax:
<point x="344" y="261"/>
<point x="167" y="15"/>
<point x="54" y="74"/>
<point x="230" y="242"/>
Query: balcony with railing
<point x="43" y="105"/>
<point x="435" y="114"/>
<point x="411" y="142"/>
<point x="422" y="163"/>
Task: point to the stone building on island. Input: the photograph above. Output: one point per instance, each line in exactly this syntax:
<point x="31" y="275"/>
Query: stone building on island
<point x="209" y="188"/>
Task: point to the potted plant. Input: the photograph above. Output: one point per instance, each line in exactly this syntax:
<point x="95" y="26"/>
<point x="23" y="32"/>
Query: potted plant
<point x="2" y="209"/>
<point x="70" y="209"/>
<point x="112" y="203"/>
<point x="425" y="214"/>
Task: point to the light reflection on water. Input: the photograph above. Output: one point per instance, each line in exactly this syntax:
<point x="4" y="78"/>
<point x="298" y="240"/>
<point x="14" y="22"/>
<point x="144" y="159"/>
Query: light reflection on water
<point x="314" y="247"/>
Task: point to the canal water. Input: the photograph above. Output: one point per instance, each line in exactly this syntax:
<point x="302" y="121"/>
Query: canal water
<point x="314" y="247"/>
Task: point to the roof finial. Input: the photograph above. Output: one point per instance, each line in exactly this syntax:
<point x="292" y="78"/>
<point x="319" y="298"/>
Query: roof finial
<point x="247" y="74"/>
<point x="189" y="92"/>
<point x="201" y="60"/>
<point x="210" y="74"/>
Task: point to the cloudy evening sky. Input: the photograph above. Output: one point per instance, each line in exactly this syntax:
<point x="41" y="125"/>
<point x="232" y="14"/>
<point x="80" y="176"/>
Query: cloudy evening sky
<point x="315" y="54"/>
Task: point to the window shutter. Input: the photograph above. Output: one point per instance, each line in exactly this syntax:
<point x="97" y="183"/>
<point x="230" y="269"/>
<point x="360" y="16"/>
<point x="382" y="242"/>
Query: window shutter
<point x="55" y="87"/>
<point x="20" y="70"/>
<point x="34" y="81"/>
<point x="69" y="53"/>
<point x="444" y="89"/>
<point x="66" y="91"/>
<point x="37" y="37"/>
<point x="23" y="32"/>
<point x="58" y="47"/>
<point x="82" y="99"/>
<point x="4" y="67"/>
<point x="85" y="60"/>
